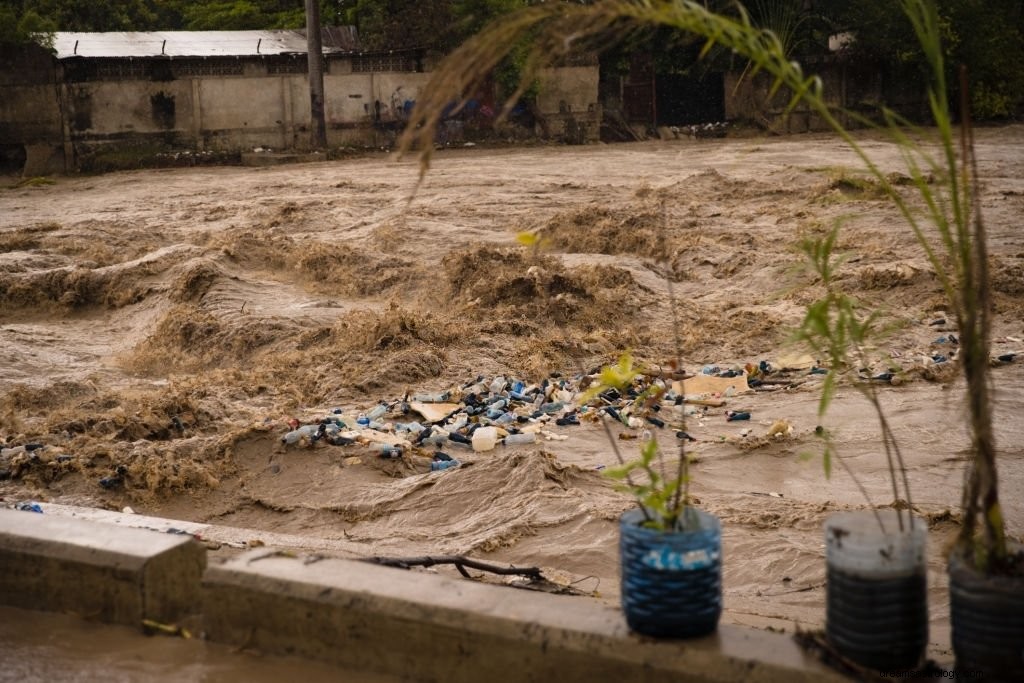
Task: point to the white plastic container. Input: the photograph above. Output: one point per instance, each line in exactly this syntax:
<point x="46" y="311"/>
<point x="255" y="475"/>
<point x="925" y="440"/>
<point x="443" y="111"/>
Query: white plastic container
<point x="485" y="439"/>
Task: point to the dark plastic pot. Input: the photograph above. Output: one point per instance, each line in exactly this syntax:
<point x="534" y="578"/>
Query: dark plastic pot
<point x="671" y="582"/>
<point x="987" y="614"/>
<point x="876" y="590"/>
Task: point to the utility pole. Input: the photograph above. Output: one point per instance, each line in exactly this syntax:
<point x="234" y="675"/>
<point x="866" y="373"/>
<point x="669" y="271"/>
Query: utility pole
<point x="315" y="55"/>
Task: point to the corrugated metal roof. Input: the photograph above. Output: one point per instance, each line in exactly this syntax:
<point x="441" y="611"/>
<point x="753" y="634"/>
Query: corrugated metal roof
<point x="198" y="43"/>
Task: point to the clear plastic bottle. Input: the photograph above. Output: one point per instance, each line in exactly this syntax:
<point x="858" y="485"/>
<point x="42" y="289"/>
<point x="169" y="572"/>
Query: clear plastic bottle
<point x="294" y="436"/>
<point x="520" y="439"/>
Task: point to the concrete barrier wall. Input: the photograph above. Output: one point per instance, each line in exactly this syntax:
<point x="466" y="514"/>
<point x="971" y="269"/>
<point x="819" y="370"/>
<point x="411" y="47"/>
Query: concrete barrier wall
<point x="431" y="628"/>
<point x="98" y="571"/>
<point x="364" y="617"/>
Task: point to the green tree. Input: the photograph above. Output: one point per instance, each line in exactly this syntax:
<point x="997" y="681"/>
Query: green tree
<point x="984" y="35"/>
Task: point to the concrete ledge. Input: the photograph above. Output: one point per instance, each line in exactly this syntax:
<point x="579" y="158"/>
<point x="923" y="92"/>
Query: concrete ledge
<point x="96" y="570"/>
<point x="431" y="628"/>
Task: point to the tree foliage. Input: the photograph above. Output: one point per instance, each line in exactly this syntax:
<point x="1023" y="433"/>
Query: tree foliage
<point x="987" y="36"/>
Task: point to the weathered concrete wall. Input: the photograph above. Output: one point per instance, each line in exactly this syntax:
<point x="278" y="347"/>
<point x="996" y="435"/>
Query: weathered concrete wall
<point x="414" y="625"/>
<point x="30" y="116"/>
<point x="431" y="628"/>
<point x="116" y="575"/>
<point x="120" y="109"/>
<point x="568" y="99"/>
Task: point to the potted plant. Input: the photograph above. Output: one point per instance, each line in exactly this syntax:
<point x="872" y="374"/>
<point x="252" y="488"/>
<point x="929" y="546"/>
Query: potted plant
<point x="986" y="572"/>
<point x="876" y="571"/>
<point x="670" y="552"/>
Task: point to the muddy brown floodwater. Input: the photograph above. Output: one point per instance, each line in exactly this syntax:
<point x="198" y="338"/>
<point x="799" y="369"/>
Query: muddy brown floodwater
<point x="171" y="322"/>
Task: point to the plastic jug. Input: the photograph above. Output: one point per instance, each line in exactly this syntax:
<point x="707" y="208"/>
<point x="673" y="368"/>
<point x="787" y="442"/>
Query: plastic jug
<point x="484" y="439"/>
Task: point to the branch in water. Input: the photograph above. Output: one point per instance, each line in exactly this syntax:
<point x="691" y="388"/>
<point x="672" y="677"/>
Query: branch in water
<point x="460" y="563"/>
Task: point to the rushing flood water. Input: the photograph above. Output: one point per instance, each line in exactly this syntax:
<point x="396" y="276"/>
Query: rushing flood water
<point x="39" y="647"/>
<point x="159" y="329"/>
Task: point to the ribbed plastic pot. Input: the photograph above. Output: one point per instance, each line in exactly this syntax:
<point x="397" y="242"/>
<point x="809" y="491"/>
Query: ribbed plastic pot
<point x="987" y="615"/>
<point x="876" y="608"/>
<point x="671" y="582"/>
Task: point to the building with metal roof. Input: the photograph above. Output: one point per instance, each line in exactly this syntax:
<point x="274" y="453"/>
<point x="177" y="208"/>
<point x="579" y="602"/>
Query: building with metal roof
<point x="335" y="39"/>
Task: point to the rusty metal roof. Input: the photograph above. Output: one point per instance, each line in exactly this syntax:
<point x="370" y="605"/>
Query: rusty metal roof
<point x="199" y="43"/>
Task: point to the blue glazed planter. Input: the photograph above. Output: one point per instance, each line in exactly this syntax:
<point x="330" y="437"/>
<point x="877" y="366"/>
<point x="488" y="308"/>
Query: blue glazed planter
<point x="671" y="582"/>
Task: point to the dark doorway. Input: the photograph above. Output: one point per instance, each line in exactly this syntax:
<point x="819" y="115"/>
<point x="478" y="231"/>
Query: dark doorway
<point x="685" y="100"/>
<point x="163" y="110"/>
<point x="638" y="90"/>
<point x="12" y="158"/>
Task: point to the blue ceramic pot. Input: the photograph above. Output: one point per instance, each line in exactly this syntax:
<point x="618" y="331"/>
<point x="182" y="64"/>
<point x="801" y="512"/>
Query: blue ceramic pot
<point x="671" y="582"/>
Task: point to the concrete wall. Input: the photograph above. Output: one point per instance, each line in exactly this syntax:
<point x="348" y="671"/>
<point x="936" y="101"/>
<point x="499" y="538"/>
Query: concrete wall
<point x="363" y="617"/>
<point x="123" y="109"/>
<point x="31" y="131"/>
<point x="568" y="98"/>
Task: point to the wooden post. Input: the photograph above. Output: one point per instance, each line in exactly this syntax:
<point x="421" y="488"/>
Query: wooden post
<point x="315" y="55"/>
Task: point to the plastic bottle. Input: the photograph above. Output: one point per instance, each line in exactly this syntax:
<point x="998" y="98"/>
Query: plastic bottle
<point x="552" y="407"/>
<point x="459" y="422"/>
<point x="484" y="439"/>
<point x="520" y="439"/>
<point x="432" y="398"/>
<point x="378" y="410"/>
<point x="438" y="437"/>
<point x="498" y="384"/>
<point x="438" y="465"/>
<point x="386" y="450"/>
<point x="294" y="436"/>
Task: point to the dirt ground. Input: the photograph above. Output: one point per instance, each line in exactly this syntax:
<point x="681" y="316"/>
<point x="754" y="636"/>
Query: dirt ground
<point x="168" y="324"/>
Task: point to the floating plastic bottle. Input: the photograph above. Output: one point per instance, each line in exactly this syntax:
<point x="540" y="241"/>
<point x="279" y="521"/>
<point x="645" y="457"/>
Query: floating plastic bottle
<point x="438" y="437"/>
<point x="432" y="398"/>
<point x="439" y="465"/>
<point x="296" y="435"/>
<point x="386" y="450"/>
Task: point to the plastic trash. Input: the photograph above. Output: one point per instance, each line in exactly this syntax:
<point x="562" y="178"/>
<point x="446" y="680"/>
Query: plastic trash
<point x="432" y="398"/>
<point x="386" y="450"/>
<point x="734" y="416"/>
<point x="498" y="384"/>
<point x="111" y="483"/>
<point x="378" y="410"/>
<point x="520" y="439"/>
<point x="439" y="465"/>
<point x="437" y="437"/>
<point x="308" y="431"/>
<point x="29" y="507"/>
<point x="485" y="439"/>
